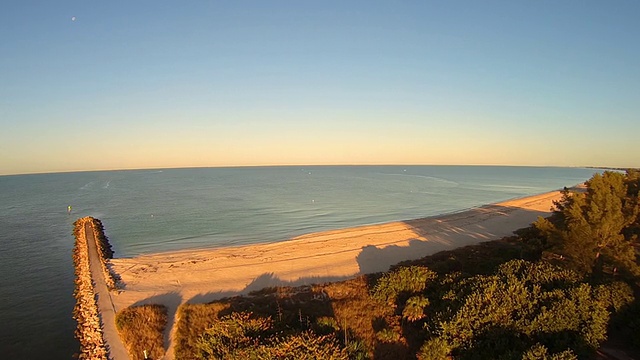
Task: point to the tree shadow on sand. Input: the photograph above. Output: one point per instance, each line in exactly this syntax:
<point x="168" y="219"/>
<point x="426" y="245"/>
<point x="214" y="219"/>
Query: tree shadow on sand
<point x="448" y="232"/>
<point x="267" y="281"/>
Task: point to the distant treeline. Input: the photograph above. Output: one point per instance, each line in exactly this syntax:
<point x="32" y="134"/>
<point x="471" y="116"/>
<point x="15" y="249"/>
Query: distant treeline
<point x="613" y="168"/>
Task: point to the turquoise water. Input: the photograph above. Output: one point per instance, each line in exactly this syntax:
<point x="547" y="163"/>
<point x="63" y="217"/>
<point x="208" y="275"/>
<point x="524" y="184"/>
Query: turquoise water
<point x="159" y="210"/>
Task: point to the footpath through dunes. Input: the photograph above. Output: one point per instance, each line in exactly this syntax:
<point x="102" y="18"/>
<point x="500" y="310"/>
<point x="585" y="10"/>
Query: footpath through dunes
<point x="198" y="276"/>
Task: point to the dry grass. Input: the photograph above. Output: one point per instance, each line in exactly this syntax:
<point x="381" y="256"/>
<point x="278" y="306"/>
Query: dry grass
<point x="363" y="317"/>
<point x="483" y="258"/>
<point x="194" y="319"/>
<point x="357" y="315"/>
<point x="290" y="308"/>
<point x="141" y="328"/>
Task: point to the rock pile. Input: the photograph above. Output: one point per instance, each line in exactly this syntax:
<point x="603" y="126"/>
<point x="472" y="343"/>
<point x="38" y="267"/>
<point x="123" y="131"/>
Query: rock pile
<point x="89" y="330"/>
<point x="105" y="252"/>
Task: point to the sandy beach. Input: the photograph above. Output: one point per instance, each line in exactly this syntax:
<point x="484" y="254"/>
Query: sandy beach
<point x="205" y="275"/>
<point x="198" y="276"/>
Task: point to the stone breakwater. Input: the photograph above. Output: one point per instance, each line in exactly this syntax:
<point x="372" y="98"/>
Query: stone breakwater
<point x="85" y="312"/>
<point x="105" y="252"/>
<point x="90" y="330"/>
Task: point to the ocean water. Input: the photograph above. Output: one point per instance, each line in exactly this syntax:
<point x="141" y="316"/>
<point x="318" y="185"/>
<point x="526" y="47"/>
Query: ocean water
<point x="147" y="211"/>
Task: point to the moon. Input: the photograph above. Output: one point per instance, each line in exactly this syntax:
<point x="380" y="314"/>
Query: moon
<point x="73" y="18"/>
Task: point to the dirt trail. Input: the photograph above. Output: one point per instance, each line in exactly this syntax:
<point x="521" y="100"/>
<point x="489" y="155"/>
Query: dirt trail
<point x="106" y="309"/>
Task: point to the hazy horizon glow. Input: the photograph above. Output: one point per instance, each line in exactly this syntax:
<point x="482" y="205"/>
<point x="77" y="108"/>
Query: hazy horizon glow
<point x="88" y="86"/>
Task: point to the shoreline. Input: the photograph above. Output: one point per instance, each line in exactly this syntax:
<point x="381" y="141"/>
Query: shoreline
<point x="203" y="275"/>
<point x="196" y="249"/>
<point x="336" y="254"/>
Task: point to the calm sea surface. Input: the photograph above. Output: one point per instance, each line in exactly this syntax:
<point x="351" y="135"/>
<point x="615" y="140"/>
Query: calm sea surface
<point x="158" y="210"/>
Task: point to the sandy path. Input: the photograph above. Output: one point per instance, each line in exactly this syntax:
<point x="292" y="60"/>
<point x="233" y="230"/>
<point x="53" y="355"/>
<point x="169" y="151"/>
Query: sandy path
<point x="204" y="275"/>
<point x="106" y="308"/>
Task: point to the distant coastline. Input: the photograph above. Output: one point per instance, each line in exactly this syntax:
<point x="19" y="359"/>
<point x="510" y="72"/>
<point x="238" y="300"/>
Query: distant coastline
<point x="612" y="168"/>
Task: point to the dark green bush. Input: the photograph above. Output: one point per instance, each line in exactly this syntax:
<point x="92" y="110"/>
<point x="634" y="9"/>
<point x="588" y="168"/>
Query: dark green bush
<point x="326" y="325"/>
<point x="540" y="352"/>
<point x="522" y="304"/>
<point x="414" y="308"/>
<point x="241" y="336"/>
<point x="388" y="335"/>
<point x="233" y="332"/>
<point x="405" y="280"/>
<point x="434" y="349"/>
<point x="615" y="295"/>
<point x="306" y="345"/>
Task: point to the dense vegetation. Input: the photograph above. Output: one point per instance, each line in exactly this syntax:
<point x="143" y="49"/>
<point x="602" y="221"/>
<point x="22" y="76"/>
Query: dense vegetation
<point x="273" y="323"/>
<point x="556" y="290"/>
<point x="596" y="231"/>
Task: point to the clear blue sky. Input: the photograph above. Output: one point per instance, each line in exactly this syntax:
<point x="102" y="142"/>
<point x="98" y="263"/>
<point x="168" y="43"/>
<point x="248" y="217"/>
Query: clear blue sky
<point x="143" y="84"/>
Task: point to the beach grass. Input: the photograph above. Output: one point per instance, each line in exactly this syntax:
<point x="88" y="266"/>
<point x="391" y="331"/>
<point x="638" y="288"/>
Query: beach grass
<point x="141" y="329"/>
<point x="343" y="309"/>
<point x="194" y="320"/>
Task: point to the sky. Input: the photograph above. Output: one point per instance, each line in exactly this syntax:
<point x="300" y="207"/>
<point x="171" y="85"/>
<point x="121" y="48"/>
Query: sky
<point x="88" y="85"/>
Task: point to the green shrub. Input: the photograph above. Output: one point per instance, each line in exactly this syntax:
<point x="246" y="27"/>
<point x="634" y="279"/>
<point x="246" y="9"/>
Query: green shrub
<point x="240" y="336"/>
<point x="326" y="325"/>
<point x="357" y="350"/>
<point x="540" y="273"/>
<point x="232" y="332"/>
<point x="434" y="349"/>
<point x="414" y="308"/>
<point x="405" y="280"/>
<point x="388" y="335"/>
<point x="615" y="295"/>
<point x="523" y="304"/>
<point x="306" y="345"/>
<point x="540" y="352"/>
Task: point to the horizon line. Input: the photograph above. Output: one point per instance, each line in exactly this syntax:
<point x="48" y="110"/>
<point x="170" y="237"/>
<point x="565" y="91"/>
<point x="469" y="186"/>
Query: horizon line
<point x="309" y="165"/>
